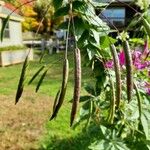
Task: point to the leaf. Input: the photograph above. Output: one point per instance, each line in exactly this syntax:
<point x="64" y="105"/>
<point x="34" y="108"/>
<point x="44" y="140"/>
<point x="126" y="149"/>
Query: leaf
<point x="63" y="11"/>
<point x="36" y="74"/>
<point x="146" y="25"/>
<point x="40" y="81"/>
<point x="85" y="98"/>
<point x="57" y="3"/>
<point x="105" y="41"/>
<point x="144" y="122"/>
<point x="90" y="89"/>
<point x="4" y="23"/>
<point x="21" y="81"/>
<point x="83" y="38"/>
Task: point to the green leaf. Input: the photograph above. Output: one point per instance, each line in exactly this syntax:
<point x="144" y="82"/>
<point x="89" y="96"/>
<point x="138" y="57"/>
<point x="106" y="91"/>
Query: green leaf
<point x="63" y="11"/>
<point x="145" y="126"/>
<point x="36" y="74"/>
<point x="4" y="23"/>
<point x="83" y="8"/>
<point x="83" y="38"/>
<point x="40" y="81"/>
<point x="105" y="41"/>
<point x="21" y="81"/>
<point x="90" y="89"/>
<point x="85" y="98"/>
<point x="57" y="3"/>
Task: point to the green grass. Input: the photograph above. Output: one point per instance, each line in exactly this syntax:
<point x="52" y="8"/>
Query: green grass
<point x="58" y="135"/>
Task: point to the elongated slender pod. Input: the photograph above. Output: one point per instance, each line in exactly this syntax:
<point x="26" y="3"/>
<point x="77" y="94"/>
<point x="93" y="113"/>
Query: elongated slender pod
<point x="129" y="70"/>
<point x="36" y="74"/>
<point x="56" y="100"/>
<point x="146" y="25"/>
<point x="21" y="81"/>
<point x="77" y="85"/>
<point x="117" y="73"/>
<point x="63" y="88"/>
<point x="41" y="80"/>
<point x="112" y="104"/>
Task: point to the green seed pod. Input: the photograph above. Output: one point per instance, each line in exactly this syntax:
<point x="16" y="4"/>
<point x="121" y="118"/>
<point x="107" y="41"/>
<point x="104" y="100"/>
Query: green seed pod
<point x="112" y="104"/>
<point x="117" y="73"/>
<point x="77" y="85"/>
<point x="129" y="70"/>
<point x="63" y="88"/>
<point x="56" y="100"/>
<point x="21" y="81"/>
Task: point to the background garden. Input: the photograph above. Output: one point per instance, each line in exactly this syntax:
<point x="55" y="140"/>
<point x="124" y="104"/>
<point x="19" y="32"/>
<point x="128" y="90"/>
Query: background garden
<point x="93" y="94"/>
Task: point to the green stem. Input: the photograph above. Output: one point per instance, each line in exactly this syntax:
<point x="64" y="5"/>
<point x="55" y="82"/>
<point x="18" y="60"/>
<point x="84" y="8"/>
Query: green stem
<point x="139" y="100"/>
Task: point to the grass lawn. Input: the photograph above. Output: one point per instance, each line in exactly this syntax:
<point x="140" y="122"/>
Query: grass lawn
<point x="26" y="125"/>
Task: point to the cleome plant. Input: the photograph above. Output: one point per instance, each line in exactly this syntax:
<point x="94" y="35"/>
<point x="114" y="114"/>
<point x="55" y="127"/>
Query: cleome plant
<point x="118" y="101"/>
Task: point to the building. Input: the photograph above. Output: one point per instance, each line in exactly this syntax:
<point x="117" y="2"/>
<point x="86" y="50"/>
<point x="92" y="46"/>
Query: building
<point x="119" y="13"/>
<point x="13" y="30"/>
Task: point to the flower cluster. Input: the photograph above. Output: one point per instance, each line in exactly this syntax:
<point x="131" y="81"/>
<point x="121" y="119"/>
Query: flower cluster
<point x="139" y="59"/>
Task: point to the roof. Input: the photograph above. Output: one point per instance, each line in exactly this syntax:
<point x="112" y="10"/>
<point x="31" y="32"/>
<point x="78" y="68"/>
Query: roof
<point x="7" y="9"/>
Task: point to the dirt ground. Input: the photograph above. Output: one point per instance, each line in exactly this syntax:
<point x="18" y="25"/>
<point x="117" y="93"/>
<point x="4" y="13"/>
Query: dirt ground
<point x="22" y="125"/>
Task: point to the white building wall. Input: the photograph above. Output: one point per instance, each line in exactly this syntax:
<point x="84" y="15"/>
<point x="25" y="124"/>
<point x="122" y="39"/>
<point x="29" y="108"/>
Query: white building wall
<point x="15" y="30"/>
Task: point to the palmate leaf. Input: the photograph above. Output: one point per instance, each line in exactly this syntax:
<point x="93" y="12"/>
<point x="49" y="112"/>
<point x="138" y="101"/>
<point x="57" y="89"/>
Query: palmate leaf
<point x="41" y="80"/>
<point x="57" y="3"/>
<point x="21" y="81"/>
<point x="90" y="89"/>
<point x="36" y="74"/>
<point x="4" y="23"/>
<point x="63" y="11"/>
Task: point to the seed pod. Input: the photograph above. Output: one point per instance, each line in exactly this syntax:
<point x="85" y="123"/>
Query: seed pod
<point x="63" y="88"/>
<point x="112" y="103"/>
<point x="146" y="25"/>
<point x="41" y="80"/>
<point x="56" y="100"/>
<point x="129" y="71"/>
<point x="36" y="74"/>
<point x="117" y="73"/>
<point x="77" y="85"/>
<point x="22" y="80"/>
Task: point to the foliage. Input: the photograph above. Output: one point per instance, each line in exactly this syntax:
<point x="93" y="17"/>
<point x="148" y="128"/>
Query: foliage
<point x="125" y="126"/>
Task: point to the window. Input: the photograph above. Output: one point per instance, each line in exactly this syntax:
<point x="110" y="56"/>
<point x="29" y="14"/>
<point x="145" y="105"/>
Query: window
<point x="6" y="31"/>
<point x="114" y="16"/>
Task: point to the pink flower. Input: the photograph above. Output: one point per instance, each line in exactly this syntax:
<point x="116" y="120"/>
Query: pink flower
<point x="148" y="91"/>
<point x="122" y="58"/>
<point x="109" y="64"/>
<point x="147" y="88"/>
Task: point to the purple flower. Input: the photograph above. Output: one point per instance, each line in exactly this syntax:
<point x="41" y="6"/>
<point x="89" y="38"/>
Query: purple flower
<point x="136" y="55"/>
<point x="147" y="88"/>
<point x="141" y="65"/>
<point x="122" y="58"/>
<point x="148" y="91"/>
<point x="109" y="64"/>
